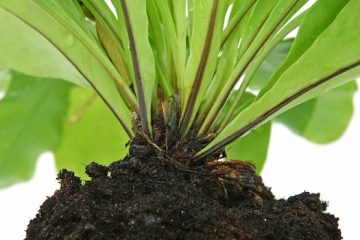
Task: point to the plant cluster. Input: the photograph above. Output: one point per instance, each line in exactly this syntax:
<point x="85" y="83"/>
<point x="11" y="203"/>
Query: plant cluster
<point x="222" y="69"/>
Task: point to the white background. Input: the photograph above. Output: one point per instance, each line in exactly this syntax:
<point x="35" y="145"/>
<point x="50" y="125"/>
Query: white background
<point x="294" y="165"/>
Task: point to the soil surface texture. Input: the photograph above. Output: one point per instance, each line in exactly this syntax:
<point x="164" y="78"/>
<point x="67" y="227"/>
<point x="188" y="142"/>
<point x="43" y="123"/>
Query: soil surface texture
<point x="150" y="196"/>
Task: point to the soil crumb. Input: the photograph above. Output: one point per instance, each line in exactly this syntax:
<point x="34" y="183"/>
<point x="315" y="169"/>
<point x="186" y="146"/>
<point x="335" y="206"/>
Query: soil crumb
<point x="147" y="196"/>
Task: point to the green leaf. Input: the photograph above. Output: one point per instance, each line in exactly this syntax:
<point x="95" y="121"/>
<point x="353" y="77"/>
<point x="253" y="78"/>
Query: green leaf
<point x="156" y="35"/>
<point x="168" y="28"/>
<point x="164" y="62"/>
<point x="5" y="78"/>
<point x="272" y="62"/>
<point x="320" y="16"/>
<point x="269" y="51"/>
<point x="124" y="37"/>
<point x="91" y="134"/>
<point x="337" y="49"/>
<point x="113" y="51"/>
<point x="204" y="48"/>
<point x="246" y="100"/>
<point x="252" y="148"/>
<point x="75" y="11"/>
<point x="30" y="124"/>
<point x="259" y="15"/>
<point x="109" y="33"/>
<point x="325" y="118"/>
<point x="179" y="10"/>
<point x="239" y="9"/>
<point x="225" y="66"/>
<point x="52" y="25"/>
<point x="268" y="17"/>
<point x="143" y="60"/>
<point x="27" y="51"/>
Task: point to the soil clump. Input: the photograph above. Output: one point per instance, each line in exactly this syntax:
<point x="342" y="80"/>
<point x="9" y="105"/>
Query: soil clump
<point x="151" y="196"/>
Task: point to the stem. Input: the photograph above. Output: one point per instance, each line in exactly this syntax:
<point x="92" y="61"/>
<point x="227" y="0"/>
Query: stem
<point x="140" y="90"/>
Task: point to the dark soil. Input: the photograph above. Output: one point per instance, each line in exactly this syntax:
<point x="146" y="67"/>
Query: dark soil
<point x="150" y="196"/>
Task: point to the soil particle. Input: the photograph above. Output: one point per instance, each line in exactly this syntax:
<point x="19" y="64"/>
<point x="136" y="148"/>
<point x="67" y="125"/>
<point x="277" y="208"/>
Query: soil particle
<point x="147" y="196"/>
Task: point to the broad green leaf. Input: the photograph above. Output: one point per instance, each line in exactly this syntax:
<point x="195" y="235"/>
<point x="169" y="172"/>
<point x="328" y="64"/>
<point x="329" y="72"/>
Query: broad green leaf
<point x="259" y="14"/>
<point x="156" y="34"/>
<point x="268" y="28"/>
<point x="179" y="10"/>
<point x="109" y="32"/>
<point x="276" y="12"/>
<point x="252" y="148"/>
<point x="272" y="62"/>
<point x="113" y="51"/>
<point x="168" y="27"/>
<point x="142" y="56"/>
<point x="227" y="60"/>
<point x="91" y="134"/>
<point x="190" y="18"/>
<point x="200" y="26"/>
<point x="320" y="16"/>
<point x="306" y="78"/>
<point x="124" y="37"/>
<point x="239" y="9"/>
<point x="31" y="115"/>
<point x="75" y="11"/>
<point x="226" y="63"/>
<point x="121" y="23"/>
<point x="266" y="21"/>
<point x="5" y="78"/>
<point x="268" y="51"/>
<point x="221" y="120"/>
<point x="25" y="50"/>
<point x="101" y="12"/>
<point x="313" y="119"/>
<point x="164" y="62"/>
<point x="51" y="23"/>
<point x="325" y="118"/>
<point x="204" y="48"/>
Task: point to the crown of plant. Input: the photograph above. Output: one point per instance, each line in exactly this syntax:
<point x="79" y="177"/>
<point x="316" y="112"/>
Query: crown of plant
<point x="195" y="63"/>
